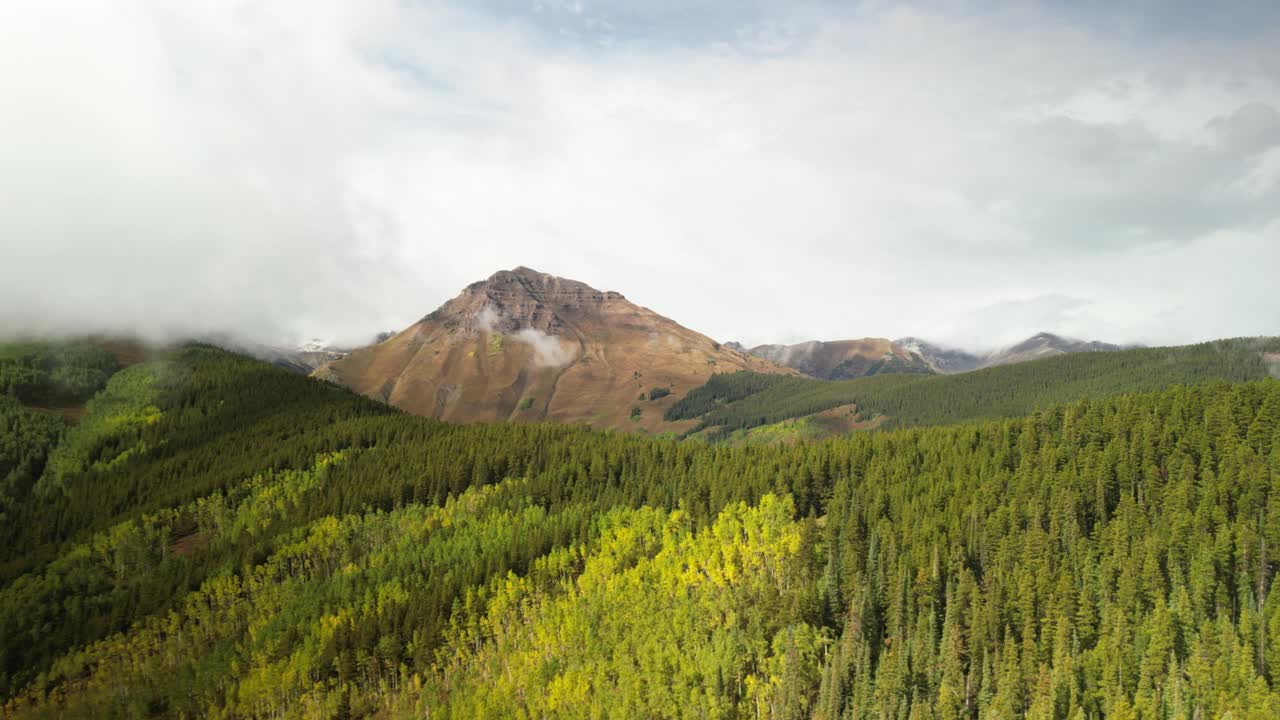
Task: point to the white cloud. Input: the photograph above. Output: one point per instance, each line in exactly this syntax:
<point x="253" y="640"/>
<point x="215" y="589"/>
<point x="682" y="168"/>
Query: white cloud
<point x="288" y="168"/>
<point x="548" y="350"/>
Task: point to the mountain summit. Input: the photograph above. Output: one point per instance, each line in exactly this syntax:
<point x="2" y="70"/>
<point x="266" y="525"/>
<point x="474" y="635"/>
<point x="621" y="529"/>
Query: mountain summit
<point x="526" y="345"/>
<point x="1046" y="344"/>
<point x="521" y="299"/>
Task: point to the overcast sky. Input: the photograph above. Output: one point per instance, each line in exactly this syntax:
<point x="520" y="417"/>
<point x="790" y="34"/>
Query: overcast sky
<point x="760" y="170"/>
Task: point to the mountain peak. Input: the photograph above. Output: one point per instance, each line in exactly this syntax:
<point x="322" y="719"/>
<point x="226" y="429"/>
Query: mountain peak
<point x="522" y="297"/>
<point x="1042" y="339"/>
<point x="545" y="286"/>
<point x="519" y="272"/>
<point x="1046" y="344"/>
<point x="526" y="345"/>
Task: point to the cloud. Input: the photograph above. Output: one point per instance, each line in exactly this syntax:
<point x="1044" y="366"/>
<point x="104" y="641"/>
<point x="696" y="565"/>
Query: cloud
<point x="548" y="350"/>
<point x="1005" y="322"/>
<point x="1250" y="130"/>
<point x="177" y="169"/>
<point x="487" y="319"/>
<point x="761" y="171"/>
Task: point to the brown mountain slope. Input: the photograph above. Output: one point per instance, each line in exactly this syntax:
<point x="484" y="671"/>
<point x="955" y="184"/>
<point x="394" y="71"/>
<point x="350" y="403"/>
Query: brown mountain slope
<point x="524" y="345"/>
<point x="843" y="359"/>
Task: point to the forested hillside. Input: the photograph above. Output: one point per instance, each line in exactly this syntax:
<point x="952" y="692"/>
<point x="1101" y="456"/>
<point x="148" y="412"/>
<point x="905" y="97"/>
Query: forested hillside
<point x="220" y="538"/>
<point x="736" y="401"/>
<point x="40" y="373"/>
<point x="40" y="384"/>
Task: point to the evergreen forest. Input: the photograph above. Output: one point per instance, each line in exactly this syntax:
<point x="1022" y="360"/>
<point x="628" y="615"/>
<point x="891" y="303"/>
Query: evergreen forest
<point x="1089" y="536"/>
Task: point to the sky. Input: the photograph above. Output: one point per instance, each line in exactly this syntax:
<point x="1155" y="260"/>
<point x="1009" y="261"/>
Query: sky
<point x="758" y="170"/>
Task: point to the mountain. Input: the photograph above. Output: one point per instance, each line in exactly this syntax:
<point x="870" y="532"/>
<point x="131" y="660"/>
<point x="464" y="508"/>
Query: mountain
<point x="843" y="359"/>
<point x="942" y="359"/>
<point x="525" y="345"/>
<point x="1041" y="345"/>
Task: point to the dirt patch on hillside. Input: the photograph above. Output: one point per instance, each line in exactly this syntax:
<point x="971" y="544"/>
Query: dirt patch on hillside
<point x="71" y="414"/>
<point x="846" y="419"/>
<point x="190" y="543"/>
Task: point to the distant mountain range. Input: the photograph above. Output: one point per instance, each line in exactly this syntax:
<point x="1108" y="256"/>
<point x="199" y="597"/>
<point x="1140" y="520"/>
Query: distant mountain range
<point x="1040" y="345"/>
<point x="848" y="359"/>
